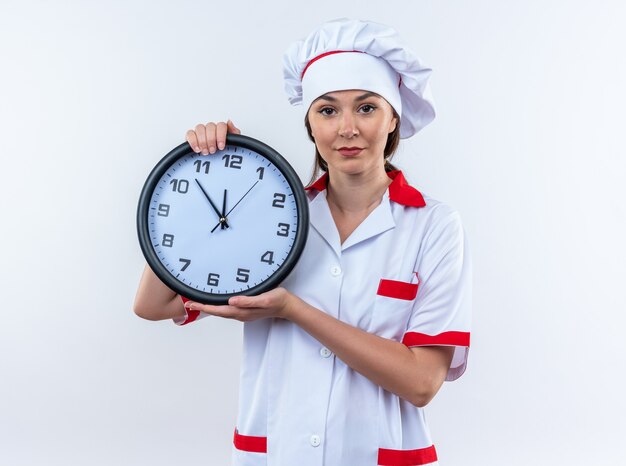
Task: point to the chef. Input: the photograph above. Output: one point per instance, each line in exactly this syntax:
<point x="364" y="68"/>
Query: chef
<point x="340" y="360"/>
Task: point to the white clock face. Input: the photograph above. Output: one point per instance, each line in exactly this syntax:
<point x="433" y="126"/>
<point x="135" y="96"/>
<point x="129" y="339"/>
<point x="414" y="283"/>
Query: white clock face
<point x="254" y="236"/>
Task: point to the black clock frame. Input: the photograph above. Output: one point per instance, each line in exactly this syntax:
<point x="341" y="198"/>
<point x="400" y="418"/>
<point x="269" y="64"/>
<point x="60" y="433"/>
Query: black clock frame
<point x="209" y="298"/>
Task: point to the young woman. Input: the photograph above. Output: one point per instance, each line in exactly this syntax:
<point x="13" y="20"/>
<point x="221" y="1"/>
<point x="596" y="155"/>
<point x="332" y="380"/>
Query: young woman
<point x="340" y="360"/>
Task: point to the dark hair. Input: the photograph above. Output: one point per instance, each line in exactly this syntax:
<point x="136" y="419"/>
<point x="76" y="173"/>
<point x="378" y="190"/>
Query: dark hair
<point x="393" y="139"/>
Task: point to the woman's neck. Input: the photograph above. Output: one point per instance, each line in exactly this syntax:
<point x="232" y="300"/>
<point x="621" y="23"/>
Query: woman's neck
<point x="354" y="194"/>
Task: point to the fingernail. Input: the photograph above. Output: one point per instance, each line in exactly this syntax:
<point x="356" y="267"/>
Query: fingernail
<point x="205" y="152"/>
<point x="197" y="149"/>
<point x="220" y="145"/>
<point x="212" y="149"/>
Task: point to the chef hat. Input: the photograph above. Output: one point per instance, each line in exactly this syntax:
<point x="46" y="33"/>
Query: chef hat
<point x="351" y="54"/>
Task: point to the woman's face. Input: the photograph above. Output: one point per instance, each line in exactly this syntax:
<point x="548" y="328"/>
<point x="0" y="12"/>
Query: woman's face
<point x="350" y="129"/>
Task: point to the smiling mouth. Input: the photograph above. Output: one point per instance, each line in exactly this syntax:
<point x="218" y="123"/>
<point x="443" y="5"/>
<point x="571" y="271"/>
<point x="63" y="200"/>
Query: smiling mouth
<point x="349" y="150"/>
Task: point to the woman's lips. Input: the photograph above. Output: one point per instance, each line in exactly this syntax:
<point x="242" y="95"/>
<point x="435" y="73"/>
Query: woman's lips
<point x="349" y="151"/>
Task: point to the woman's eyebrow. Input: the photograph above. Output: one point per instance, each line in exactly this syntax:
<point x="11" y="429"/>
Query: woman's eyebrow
<point x="367" y="95"/>
<point x="327" y="97"/>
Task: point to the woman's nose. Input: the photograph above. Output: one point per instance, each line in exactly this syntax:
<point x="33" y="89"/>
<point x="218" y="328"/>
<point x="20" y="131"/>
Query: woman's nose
<point x="347" y="126"/>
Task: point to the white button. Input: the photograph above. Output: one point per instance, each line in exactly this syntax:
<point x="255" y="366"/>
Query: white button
<point x="334" y="271"/>
<point x="325" y="352"/>
<point x="315" y="440"/>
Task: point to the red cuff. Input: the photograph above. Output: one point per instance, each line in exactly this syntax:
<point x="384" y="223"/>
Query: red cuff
<point x="445" y="339"/>
<point x="191" y="315"/>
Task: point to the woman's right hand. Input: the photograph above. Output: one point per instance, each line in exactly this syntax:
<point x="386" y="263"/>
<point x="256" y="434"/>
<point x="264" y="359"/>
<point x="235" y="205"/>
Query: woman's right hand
<point x="209" y="138"/>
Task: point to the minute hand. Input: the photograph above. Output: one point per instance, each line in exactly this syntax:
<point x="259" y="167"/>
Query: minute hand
<point x="219" y="214"/>
<point x="233" y="207"/>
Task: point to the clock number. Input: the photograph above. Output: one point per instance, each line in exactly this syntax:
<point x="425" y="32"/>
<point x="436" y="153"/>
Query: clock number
<point x="232" y="161"/>
<point x="260" y="170"/>
<point x="268" y="257"/>
<point x="181" y="186"/>
<point x="199" y="164"/>
<point x="168" y="240"/>
<point x="283" y="229"/>
<point x="164" y="210"/>
<point x="186" y="261"/>
<point x="214" y="279"/>
<point x="243" y="275"/>
<point x="279" y="200"/>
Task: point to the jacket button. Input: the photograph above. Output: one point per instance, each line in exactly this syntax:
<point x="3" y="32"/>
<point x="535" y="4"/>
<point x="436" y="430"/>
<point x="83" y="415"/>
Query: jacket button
<point x="315" y="440"/>
<point x="325" y="352"/>
<point x="335" y="271"/>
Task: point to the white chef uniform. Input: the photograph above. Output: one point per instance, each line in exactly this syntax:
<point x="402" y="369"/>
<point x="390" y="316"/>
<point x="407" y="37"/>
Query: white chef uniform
<point x="403" y="274"/>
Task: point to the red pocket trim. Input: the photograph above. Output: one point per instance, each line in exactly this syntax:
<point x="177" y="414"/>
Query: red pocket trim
<point x="398" y="290"/>
<point x="251" y="444"/>
<point x="407" y="457"/>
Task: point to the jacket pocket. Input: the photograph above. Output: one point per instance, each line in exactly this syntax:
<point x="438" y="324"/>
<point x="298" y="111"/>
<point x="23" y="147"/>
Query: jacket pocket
<point x="392" y="307"/>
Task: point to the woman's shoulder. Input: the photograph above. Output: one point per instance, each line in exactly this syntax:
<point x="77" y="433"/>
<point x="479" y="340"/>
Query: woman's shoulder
<point x="442" y="226"/>
<point x="439" y="209"/>
<point x="436" y="216"/>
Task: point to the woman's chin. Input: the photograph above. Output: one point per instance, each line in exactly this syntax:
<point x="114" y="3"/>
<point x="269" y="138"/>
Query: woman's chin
<point x="354" y="167"/>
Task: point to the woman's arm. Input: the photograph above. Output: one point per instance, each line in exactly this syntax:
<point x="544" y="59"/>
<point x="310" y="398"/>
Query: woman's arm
<point x="155" y="301"/>
<point x="414" y="374"/>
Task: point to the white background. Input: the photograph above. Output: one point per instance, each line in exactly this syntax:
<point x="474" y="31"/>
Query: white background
<point x="528" y="145"/>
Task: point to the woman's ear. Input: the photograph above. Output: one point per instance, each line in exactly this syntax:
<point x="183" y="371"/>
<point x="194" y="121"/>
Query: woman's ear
<point x="393" y="124"/>
<point x="307" y="124"/>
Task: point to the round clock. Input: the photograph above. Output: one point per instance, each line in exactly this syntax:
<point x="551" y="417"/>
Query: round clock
<point x="215" y="226"/>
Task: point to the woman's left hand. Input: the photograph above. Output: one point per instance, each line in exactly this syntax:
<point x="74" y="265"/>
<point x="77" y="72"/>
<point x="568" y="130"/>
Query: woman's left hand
<point x="274" y="303"/>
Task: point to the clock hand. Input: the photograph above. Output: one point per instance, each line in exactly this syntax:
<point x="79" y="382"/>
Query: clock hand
<point x="233" y="207"/>
<point x="212" y="204"/>
<point x="222" y="215"/>
<point x="224" y="224"/>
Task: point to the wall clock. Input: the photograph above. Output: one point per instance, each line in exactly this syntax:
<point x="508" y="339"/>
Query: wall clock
<point x="216" y="226"/>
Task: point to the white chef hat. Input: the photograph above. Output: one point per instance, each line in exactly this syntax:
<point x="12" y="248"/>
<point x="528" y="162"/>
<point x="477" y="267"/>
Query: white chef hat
<point x="351" y="54"/>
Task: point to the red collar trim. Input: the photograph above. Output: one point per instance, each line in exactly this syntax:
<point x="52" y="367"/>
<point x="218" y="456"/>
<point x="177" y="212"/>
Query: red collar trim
<point x="399" y="190"/>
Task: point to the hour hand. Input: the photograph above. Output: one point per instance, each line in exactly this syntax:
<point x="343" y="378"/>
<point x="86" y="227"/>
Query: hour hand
<point x="233" y="207"/>
<point x="219" y="214"/>
<point x="223" y="216"/>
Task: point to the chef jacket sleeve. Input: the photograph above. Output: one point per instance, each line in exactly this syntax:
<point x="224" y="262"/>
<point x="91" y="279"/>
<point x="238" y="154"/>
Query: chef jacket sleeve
<point x="441" y="311"/>
<point x="190" y="316"/>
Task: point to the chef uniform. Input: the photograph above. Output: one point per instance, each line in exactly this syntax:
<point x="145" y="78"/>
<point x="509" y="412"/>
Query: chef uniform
<point x="404" y="274"/>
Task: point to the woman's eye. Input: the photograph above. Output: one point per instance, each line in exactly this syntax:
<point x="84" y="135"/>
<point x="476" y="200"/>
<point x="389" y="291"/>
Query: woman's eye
<point x="327" y="111"/>
<point x="367" y="108"/>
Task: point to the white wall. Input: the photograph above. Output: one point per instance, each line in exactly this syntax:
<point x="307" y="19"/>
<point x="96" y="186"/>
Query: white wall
<point x="528" y="145"/>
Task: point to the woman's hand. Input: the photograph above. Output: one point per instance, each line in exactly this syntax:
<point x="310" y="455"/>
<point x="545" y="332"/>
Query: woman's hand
<point x="208" y="138"/>
<point x="274" y="303"/>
